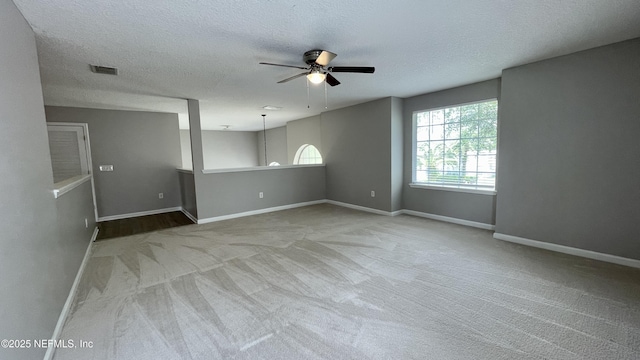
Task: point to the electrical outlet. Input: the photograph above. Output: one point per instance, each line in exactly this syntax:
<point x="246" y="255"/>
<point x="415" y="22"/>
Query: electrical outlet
<point x="373" y="193"/>
<point x="261" y="195"/>
<point x="160" y="195"/>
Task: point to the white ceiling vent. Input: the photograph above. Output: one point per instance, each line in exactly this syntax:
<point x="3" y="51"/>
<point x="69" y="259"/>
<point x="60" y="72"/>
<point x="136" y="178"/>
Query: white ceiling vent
<point x="104" y="70"/>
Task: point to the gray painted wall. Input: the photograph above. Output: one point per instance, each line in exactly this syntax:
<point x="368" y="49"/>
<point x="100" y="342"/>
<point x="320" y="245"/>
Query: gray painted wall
<point x="303" y="131"/>
<point x="225" y="193"/>
<point x="569" y="150"/>
<point x="472" y="207"/>
<point x="276" y="146"/>
<point x="235" y="192"/>
<point x="223" y="149"/>
<point x="228" y="149"/>
<point x="42" y="243"/>
<point x="357" y="151"/>
<point x="188" y="193"/>
<point x="195" y="131"/>
<point x="72" y="209"/>
<point x="144" y="149"/>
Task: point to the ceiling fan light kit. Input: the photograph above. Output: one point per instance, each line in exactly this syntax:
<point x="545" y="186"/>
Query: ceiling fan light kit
<point x="316" y="77"/>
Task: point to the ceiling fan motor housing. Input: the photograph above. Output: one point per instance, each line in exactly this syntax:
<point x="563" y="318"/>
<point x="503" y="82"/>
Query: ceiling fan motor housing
<point x="311" y="56"/>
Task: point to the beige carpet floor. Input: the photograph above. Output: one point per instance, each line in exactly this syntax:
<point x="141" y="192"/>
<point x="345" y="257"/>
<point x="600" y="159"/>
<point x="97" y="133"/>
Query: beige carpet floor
<point x="324" y="282"/>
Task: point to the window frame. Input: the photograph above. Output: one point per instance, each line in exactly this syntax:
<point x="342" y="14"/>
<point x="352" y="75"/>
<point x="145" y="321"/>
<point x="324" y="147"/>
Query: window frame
<point x="80" y="131"/>
<point x="475" y="189"/>
<point x="301" y="150"/>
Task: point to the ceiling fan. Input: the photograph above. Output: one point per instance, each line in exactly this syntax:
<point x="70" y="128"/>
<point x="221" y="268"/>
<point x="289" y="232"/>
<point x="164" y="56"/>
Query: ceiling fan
<point x="317" y="72"/>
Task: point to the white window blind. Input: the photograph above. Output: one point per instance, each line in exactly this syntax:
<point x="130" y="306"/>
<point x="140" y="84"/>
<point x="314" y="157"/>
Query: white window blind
<point x="68" y="151"/>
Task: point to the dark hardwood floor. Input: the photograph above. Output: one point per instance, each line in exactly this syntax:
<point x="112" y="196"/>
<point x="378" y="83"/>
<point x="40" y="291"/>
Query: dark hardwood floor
<point x="124" y="227"/>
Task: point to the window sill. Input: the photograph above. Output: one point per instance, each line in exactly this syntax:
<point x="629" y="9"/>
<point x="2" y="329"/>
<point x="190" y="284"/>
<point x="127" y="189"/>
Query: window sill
<point x="63" y="187"/>
<point x="451" y="188"/>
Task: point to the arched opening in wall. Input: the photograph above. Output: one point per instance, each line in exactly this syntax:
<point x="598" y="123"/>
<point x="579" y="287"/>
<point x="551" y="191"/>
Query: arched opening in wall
<point x="274" y="163"/>
<point x="307" y="154"/>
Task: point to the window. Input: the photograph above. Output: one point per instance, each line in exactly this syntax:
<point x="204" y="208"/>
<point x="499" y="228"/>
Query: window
<point x="274" y="163"/>
<point x="69" y="151"/>
<point x="456" y="146"/>
<point x="307" y="154"/>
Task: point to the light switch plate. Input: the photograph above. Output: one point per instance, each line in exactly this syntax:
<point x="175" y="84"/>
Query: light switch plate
<point x="106" y="167"/>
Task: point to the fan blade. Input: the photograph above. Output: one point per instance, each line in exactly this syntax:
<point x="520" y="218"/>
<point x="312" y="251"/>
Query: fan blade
<point x="291" y="78"/>
<point x="331" y="80"/>
<point x="353" y="69"/>
<point x="325" y="57"/>
<point x="289" y="66"/>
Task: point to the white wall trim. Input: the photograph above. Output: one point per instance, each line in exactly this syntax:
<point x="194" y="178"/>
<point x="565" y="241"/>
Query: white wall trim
<point x="297" y="205"/>
<point x="141" y="213"/>
<point x="95" y="235"/>
<point x="72" y="294"/>
<point x="364" y="208"/>
<point x="259" y="168"/>
<point x="569" y="250"/>
<point x="453" y="220"/>
<point x="259" y="211"/>
<point x="452" y="188"/>
<point x="189" y="215"/>
<point x="69" y="184"/>
<point x="291" y="206"/>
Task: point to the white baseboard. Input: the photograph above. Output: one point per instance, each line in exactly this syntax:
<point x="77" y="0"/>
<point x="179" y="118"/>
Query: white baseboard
<point x="569" y="250"/>
<point x="260" y="211"/>
<point x="94" y="236"/>
<point x="363" y="208"/>
<point x="72" y="294"/>
<point x="450" y="219"/>
<point x="137" y="214"/>
<point x="189" y="215"/>
<point x="297" y="205"/>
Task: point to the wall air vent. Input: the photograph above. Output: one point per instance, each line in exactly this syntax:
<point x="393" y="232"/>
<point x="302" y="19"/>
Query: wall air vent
<point x="104" y="70"/>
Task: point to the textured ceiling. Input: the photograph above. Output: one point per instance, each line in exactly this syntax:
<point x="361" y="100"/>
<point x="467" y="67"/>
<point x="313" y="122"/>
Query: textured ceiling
<point x="168" y="50"/>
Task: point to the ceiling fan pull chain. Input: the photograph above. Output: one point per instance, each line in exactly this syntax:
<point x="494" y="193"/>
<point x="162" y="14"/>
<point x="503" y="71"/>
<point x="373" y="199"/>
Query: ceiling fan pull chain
<point x="325" y="96"/>
<point x="308" y="98"/>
